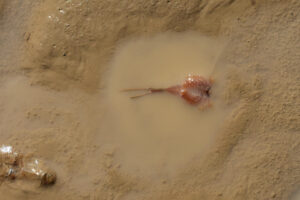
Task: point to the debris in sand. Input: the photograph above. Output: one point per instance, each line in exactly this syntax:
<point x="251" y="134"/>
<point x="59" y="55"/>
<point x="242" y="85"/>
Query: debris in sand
<point x="15" y="165"/>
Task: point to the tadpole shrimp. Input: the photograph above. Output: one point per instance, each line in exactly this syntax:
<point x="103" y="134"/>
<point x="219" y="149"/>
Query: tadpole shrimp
<point x="195" y="90"/>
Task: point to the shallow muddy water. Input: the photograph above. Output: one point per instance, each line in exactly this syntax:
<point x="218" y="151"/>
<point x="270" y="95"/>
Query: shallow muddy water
<point x="159" y="133"/>
<point x="296" y="196"/>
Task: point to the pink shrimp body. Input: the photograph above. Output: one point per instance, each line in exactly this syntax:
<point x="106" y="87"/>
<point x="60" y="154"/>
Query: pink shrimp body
<point x="193" y="90"/>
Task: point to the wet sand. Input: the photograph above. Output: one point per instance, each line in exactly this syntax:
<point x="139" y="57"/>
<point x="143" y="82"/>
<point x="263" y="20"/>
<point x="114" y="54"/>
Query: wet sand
<point x="64" y="62"/>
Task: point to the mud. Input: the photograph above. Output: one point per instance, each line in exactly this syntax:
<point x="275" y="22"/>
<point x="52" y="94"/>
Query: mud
<point x="62" y="63"/>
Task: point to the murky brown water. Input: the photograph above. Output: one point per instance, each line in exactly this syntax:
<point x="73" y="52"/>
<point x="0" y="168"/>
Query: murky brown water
<point x="296" y="196"/>
<point x="159" y="133"/>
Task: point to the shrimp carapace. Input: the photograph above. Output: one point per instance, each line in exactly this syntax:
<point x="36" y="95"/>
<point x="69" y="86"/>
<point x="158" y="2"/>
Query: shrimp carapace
<point x="195" y="89"/>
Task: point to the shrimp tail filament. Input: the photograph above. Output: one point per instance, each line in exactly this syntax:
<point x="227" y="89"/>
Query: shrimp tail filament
<point x="147" y="91"/>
